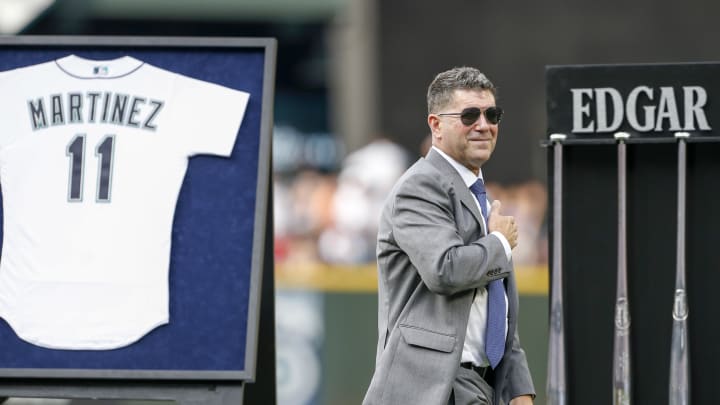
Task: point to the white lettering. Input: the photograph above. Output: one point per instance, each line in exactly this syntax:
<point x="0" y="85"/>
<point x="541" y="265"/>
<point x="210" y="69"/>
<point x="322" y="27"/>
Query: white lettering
<point x="640" y="110"/>
<point x="667" y="109"/>
<point x="581" y="110"/>
<point x="631" y="109"/>
<point x="601" y="109"/>
<point x="694" y="108"/>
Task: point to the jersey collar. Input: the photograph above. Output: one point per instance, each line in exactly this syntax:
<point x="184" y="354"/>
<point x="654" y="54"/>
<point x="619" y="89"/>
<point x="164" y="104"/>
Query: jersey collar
<point x="82" y="68"/>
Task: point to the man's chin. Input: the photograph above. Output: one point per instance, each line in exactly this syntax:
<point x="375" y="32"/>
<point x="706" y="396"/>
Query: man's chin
<point x="477" y="163"/>
<point x="480" y="158"/>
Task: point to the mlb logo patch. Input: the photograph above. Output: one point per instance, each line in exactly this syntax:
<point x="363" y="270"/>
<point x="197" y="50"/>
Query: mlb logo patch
<point x="101" y="70"/>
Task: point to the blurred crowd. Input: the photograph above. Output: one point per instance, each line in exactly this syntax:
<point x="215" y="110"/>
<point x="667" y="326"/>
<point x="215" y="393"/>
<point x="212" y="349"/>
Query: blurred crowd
<point x="330" y="216"/>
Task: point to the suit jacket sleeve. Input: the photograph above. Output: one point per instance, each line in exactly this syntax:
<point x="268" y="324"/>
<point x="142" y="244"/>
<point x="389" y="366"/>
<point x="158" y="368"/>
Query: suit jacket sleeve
<point x="427" y="222"/>
<point x="520" y="381"/>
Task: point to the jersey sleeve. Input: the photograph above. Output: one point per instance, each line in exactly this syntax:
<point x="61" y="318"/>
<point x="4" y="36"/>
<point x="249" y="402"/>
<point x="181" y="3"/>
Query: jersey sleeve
<point x="208" y="116"/>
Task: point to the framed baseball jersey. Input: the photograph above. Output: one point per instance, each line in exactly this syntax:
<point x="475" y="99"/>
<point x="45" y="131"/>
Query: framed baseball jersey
<point x="133" y="177"/>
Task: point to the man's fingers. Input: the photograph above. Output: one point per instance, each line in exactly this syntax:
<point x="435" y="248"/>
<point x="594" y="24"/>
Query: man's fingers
<point x="496" y="206"/>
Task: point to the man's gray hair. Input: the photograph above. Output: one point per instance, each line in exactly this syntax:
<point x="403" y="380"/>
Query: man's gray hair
<point x="440" y="92"/>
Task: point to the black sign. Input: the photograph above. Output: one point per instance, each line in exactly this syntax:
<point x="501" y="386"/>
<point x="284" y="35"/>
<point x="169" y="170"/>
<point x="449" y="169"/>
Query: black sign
<point x="649" y="102"/>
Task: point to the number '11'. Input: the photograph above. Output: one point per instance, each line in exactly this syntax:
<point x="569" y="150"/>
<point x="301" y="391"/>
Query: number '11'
<point x="104" y="153"/>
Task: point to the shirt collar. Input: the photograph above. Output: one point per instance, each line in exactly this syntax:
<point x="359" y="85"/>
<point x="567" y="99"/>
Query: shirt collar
<point x="469" y="178"/>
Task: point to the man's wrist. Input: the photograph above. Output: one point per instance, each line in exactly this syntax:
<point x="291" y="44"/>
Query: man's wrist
<point x="505" y="243"/>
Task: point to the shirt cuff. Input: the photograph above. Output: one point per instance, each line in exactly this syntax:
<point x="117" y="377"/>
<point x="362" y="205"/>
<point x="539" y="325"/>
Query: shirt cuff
<point x="505" y="243"/>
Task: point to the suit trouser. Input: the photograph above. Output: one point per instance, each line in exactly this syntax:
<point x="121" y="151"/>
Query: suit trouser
<point x="469" y="388"/>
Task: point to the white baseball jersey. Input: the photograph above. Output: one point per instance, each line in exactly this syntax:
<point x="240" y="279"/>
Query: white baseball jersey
<point x="92" y="157"/>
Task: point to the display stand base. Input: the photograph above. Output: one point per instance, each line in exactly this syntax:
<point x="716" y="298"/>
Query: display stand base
<point x="183" y="394"/>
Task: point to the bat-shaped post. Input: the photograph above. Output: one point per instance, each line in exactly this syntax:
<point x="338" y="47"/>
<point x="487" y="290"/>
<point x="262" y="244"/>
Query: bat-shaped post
<point x="679" y="349"/>
<point x="622" y="383"/>
<point x="556" y="351"/>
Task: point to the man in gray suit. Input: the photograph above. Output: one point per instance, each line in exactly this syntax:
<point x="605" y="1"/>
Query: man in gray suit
<point x="448" y="302"/>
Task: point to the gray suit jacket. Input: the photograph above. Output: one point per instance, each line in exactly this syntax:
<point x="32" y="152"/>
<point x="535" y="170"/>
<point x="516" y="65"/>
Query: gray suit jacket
<point x="432" y="254"/>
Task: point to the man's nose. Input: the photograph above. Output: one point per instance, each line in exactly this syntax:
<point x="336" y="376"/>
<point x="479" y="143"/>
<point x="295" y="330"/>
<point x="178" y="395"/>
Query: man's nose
<point x="481" y="123"/>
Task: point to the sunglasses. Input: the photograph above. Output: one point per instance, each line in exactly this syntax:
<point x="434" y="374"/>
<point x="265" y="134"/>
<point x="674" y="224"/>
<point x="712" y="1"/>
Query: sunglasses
<point x="469" y="116"/>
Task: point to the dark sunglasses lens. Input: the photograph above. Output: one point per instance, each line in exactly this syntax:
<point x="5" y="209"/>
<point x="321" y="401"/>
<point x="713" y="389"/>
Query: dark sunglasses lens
<point x="469" y="116"/>
<point x="493" y="114"/>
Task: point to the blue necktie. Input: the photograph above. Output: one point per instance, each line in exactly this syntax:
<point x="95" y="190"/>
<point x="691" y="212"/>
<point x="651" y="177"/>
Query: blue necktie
<point x="495" y="328"/>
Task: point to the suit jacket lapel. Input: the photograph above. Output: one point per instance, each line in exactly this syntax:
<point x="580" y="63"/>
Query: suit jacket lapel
<point x="462" y="191"/>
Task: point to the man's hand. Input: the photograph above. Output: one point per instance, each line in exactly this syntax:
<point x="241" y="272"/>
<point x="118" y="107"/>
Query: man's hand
<point x="504" y="225"/>
<point x="523" y="400"/>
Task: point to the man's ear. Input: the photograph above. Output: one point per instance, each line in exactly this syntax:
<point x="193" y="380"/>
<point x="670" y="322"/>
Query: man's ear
<point x="434" y="124"/>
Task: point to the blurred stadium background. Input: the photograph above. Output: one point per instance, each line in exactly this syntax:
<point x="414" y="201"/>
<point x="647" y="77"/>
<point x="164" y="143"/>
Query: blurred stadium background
<point x="350" y="117"/>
